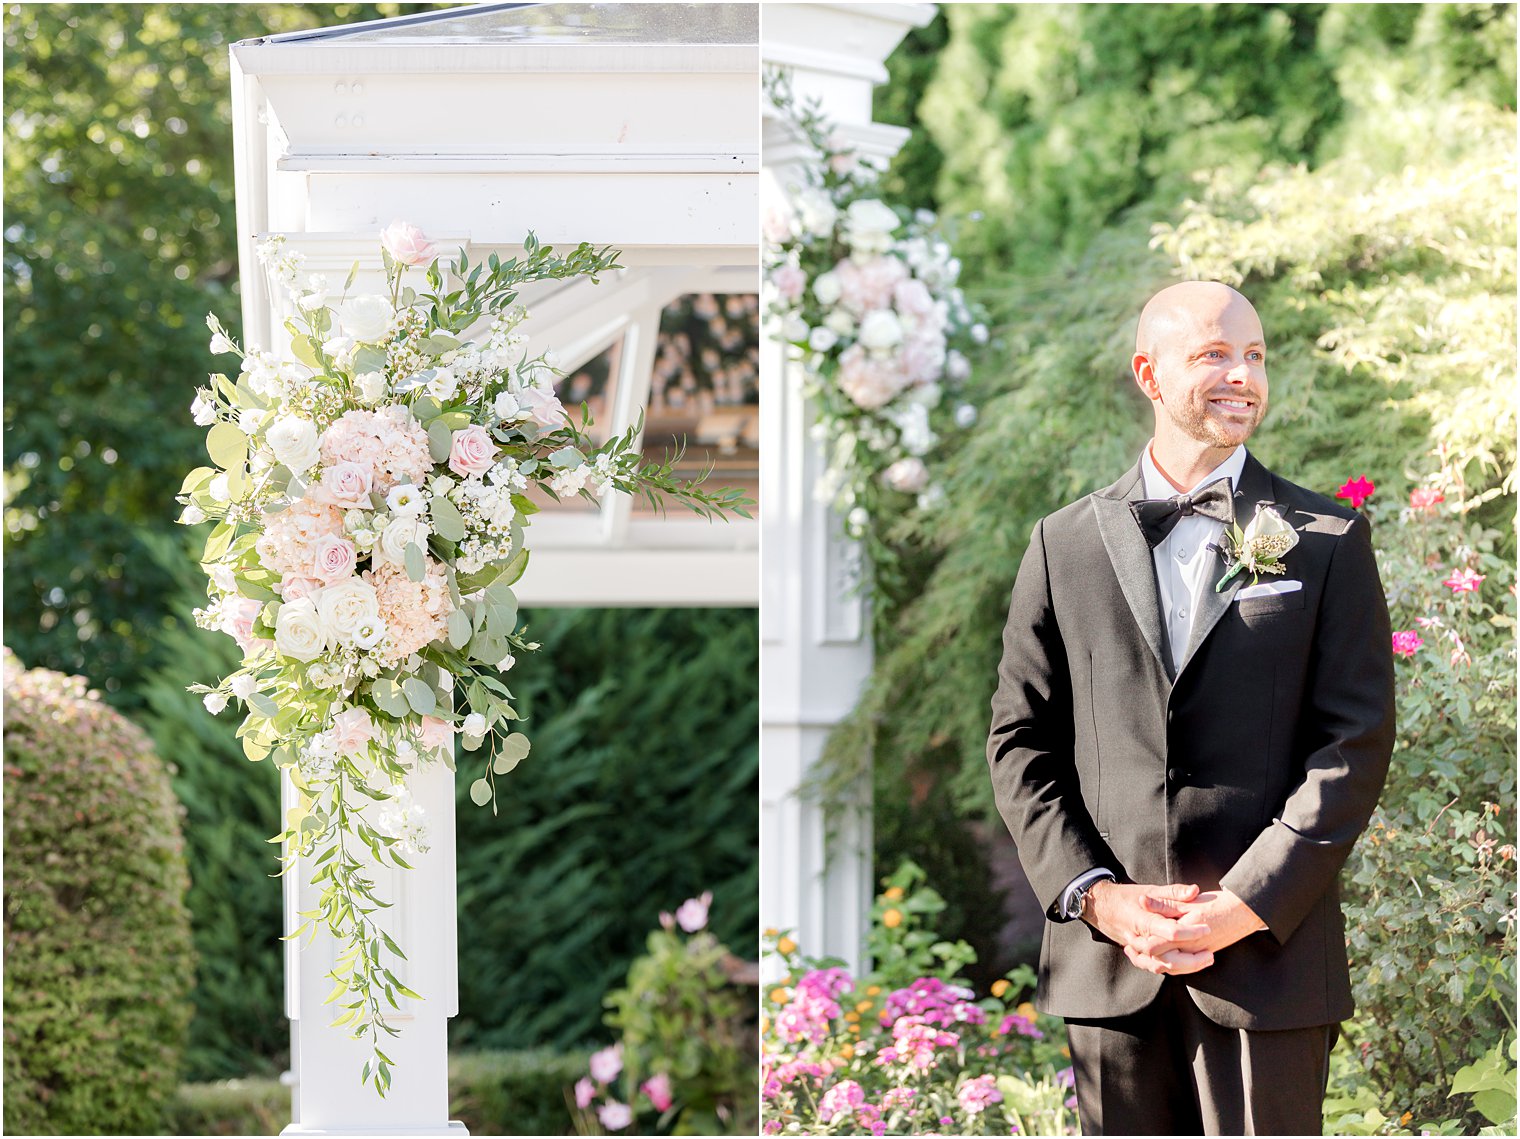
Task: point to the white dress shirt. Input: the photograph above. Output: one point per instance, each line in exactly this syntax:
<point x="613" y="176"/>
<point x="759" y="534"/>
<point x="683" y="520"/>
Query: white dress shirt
<point x="1185" y="568"/>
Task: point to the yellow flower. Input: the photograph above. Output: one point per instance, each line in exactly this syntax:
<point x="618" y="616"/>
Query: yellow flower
<point x="894" y="894"/>
<point x="781" y="995"/>
<point x="786" y="947"/>
<point x="1065" y="1051"/>
<point x="892" y="919"/>
<point x="772" y="932"/>
<point x="765" y="1025"/>
<point x="1405" y="1118"/>
<point x="1000" y="986"/>
<point x="873" y="990"/>
<point x="847" y="1050"/>
<point x="861" y="1006"/>
<point x="1027" y="1011"/>
<point x="852" y="1017"/>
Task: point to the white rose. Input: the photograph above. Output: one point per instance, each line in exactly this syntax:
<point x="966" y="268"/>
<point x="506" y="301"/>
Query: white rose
<point x="298" y="630"/>
<point x="506" y="406"/>
<point x="222" y="577"/>
<point x="816" y="211"/>
<point x="372" y="386"/>
<point x="244" y="686"/>
<point x="366" y="318"/>
<point x="474" y="724"/>
<point x="215" y="702"/>
<point x="399" y="533"/>
<point x="405" y="500"/>
<point x="840" y="323"/>
<point x="869" y="224"/>
<point x="822" y="338"/>
<point x="294" y="443"/>
<point x="880" y="331"/>
<point x="826" y="288"/>
<point x="344" y="607"/>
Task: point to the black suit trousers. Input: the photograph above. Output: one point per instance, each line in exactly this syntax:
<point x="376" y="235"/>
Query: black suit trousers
<point x="1170" y="1070"/>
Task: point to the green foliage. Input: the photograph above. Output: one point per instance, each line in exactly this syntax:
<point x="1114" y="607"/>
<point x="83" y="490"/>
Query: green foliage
<point x="231" y="808"/>
<point x="97" y="937"/>
<point x="491" y="1093"/>
<point x="1430" y="890"/>
<point x="680" y="1013"/>
<point x="640" y="792"/>
<point x="119" y="237"/>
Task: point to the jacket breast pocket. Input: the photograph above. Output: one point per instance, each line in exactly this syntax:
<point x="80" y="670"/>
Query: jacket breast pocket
<point x="1253" y="609"/>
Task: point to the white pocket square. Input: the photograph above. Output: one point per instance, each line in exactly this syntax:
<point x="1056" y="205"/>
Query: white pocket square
<point x="1267" y="589"/>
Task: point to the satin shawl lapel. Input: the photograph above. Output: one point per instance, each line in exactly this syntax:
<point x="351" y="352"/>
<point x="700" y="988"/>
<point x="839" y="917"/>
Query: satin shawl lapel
<point x="1255" y="488"/>
<point x="1131" y="558"/>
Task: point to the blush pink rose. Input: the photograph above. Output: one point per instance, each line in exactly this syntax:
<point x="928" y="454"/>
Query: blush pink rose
<point x="346" y="484"/>
<point x="333" y="559"/>
<point x="406" y="243"/>
<point x="869" y="382"/>
<point x="869" y="284"/>
<point x="472" y="452"/>
<point x="907" y="475"/>
<point x="913" y="296"/>
<point x="437" y="734"/>
<point x="295" y="586"/>
<point x="238" y="618"/>
<point x="543" y="407"/>
<point x="353" y="730"/>
<point x="657" y="1088"/>
<point x="790" y="281"/>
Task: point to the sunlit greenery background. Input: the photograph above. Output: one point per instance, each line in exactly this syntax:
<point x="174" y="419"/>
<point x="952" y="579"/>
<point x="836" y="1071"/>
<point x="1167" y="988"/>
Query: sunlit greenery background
<point x="119" y="238"/>
<point x="1352" y="169"/>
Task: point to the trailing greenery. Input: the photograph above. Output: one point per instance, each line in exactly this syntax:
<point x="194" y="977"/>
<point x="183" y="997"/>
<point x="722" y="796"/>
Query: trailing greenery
<point x="97" y="937"/>
<point x="119" y="237"/>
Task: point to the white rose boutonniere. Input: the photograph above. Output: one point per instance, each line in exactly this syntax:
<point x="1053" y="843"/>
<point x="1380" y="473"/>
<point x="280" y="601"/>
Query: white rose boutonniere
<point x="1260" y="547"/>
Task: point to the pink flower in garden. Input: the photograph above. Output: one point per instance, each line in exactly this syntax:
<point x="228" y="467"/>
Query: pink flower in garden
<point x="869" y="284"/>
<point x="1022" y="1025"/>
<point x="913" y="298"/>
<point x="406" y="243"/>
<point x="842" y="1098"/>
<point x="790" y="281"/>
<point x="585" y="1092"/>
<point x="657" y="1088"/>
<point x="773" y="1127"/>
<point x="472" y="452"/>
<point x="1357" y="490"/>
<point x="692" y="914"/>
<point x="897" y="1097"/>
<point x="606" y="1064"/>
<point x="352" y="730"/>
<point x="915" y="1041"/>
<point x="1426" y="499"/>
<point x="1463" y="580"/>
<point x="976" y="1095"/>
<point x="1066" y="1078"/>
<point x="1406" y="642"/>
<point x="935" y="1001"/>
<point x="615" y="1116"/>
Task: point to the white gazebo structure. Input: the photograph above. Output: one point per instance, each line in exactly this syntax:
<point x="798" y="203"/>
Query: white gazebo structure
<point x="815" y="871"/>
<point x="631" y="125"/>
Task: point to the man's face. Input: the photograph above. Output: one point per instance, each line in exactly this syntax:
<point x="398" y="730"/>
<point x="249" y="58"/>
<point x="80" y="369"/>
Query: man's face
<point x="1210" y="372"/>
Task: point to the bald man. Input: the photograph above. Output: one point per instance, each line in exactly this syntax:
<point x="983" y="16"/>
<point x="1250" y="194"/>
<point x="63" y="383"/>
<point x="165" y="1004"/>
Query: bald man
<point x="1191" y="728"/>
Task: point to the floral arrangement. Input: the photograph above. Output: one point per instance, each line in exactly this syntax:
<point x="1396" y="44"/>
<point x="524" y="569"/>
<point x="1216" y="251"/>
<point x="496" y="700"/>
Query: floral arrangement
<point x="371" y="499"/>
<point x="684" y="1063"/>
<point x="867" y="296"/>
<point x="908" y="1049"/>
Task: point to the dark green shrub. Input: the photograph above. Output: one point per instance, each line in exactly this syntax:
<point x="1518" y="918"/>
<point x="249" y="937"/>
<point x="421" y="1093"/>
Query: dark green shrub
<point x="514" y="1093"/>
<point x="97" y="937"/>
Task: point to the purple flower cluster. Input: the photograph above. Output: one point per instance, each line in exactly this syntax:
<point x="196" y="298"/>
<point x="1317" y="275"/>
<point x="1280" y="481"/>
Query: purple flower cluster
<point x="934" y="1001"/>
<point x="1022" y="1025"/>
<point x="914" y="1042"/>
<point x="813" y="1006"/>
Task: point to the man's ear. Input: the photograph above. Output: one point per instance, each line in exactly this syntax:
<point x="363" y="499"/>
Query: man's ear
<point x="1145" y="375"/>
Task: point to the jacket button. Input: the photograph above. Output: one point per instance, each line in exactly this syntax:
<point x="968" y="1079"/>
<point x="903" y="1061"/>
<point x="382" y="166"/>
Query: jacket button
<point x="1173" y="775"/>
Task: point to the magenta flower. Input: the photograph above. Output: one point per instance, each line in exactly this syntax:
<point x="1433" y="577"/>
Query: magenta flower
<point x="1463" y="580"/>
<point x="606" y="1064"/>
<point x="692" y="914"/>
<point x="1013" y="1022"/>
<point x="615" y="1116"/>
<point x="657" y="1088"/>
<point x="585" y="1092"/>
<point x="841" y="1099"/>
<point x="1357" y="490"/>
<point x="976" y="1095"/>
<point x="1406" y="642"/>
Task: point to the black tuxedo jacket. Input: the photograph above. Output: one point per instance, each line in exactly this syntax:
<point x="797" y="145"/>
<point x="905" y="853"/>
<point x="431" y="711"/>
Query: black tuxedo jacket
<point x="1254" y="768"/>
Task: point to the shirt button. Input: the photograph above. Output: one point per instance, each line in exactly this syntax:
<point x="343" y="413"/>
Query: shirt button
<point x="1182" y="555"/>
<point x="1182" y="614"/>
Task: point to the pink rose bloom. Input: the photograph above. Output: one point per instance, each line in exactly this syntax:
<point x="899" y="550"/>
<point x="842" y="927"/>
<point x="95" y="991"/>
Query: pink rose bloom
<point x="606" y="1064"/>
<point x="333" y="560"/>
<point x="347" y="485"/>
<point x="472" y="452"/>
<point x="238" y="618"/>
<point x="869" y="284"/>
<point x="615" y="1116"/>
<point x="907" y="475"/>
<point x="841" y="1099"/>
<point x="585" y="1092"/>
<point x="1463" y="580"/>
<point x="777" y="225"/>
<point x="353" y="730"/>
<point x="657" y="1088"/>
<point x="869" y="382"/>
<point x="437" y="734"/>
<point x="692" y="914"/>
<point x="1426" y="499"/>
<point x="295" y="586"/>
<point x="406" y="243"/>
<point x="913" y="296"/>
<point x="789" y="281"/>
<point x="543" y="407"/>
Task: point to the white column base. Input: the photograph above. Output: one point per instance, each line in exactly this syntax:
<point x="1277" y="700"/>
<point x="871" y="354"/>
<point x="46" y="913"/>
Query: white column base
<point x="453" y="1127"/>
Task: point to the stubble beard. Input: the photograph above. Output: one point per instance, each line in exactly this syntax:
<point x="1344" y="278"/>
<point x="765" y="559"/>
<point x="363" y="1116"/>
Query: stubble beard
<point x="1196" y="421"/>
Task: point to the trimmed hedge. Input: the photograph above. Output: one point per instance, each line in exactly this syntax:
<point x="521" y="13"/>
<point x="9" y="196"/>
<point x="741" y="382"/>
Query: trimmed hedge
<point x="97" y="937"/>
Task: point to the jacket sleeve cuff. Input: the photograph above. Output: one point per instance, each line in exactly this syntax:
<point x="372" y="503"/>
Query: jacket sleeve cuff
<point x="1281" y="876"/>
<point x="1067" y="909"/>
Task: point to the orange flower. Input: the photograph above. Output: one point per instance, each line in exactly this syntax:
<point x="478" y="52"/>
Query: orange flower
<point x="862" y="1006"/>
<point x="765" y="1025"/>
<point x="894" y="894"/>
<point x="1065" y="1051"/>
<point x="1000" y="986"/>
<point x="786" y="947"/>
<point x="852" y="1016"/>
<point x="780" y="995"/>
<point x="847" y="1050"/>
<point x="892" y="919"/>
<point x="1405" y="1118"/>
<point x="1027" y="1011"/>
<point x="872" y="990"/>
<point x="855" y="1028"/>
<point x="772" y="932"/>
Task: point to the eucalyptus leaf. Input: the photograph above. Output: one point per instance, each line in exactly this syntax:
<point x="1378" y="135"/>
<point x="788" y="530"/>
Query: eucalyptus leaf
<point x="263" y="704"/>
<point x="426" y="408"/>
<point x="514" y="750"/>
<point x="227" y="446"/>
<point x="459" y="628"/>
<point x="369" y="358"/>
<point x="440" y="441"/>
<point x="480" y="792"/>
<point x="419" y="696"/>
<point x="446" y="517"/>
<point x="416" y="565"/>
<point x="566" y="458"/>
<point x="389" y="698"/>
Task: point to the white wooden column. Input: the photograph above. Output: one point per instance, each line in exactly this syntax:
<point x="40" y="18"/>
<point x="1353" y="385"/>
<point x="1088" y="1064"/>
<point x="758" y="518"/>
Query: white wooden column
<point x="815" y="874"/>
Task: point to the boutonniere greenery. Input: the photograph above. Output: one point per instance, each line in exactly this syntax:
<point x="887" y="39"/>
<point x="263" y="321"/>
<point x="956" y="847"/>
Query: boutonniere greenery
<point x="1260" y="547"/>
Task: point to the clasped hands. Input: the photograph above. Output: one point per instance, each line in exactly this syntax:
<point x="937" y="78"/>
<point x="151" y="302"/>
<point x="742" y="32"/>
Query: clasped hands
<point x="1171" y="929"/>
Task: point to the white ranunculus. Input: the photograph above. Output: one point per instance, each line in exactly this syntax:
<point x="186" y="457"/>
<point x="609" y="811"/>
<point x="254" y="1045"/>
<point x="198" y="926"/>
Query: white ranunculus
<point x="366" y="318"/>
<point x="298" y="630"/>
<point x="372" y="386"/>
<point x="822" y="338"/>
<point x="344" y="607"/>
<point x="243" y="686"/>
<point x="294" y="443"/>
<point x="880" y="331"/>
<point x="405" y="500"/>
<point x="794" y="328"/>
<point x="869" y="224"/>
<point x="827" y="289"/>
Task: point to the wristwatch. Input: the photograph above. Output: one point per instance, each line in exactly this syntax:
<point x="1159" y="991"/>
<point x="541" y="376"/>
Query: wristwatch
<point x="1081" y="892"/>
